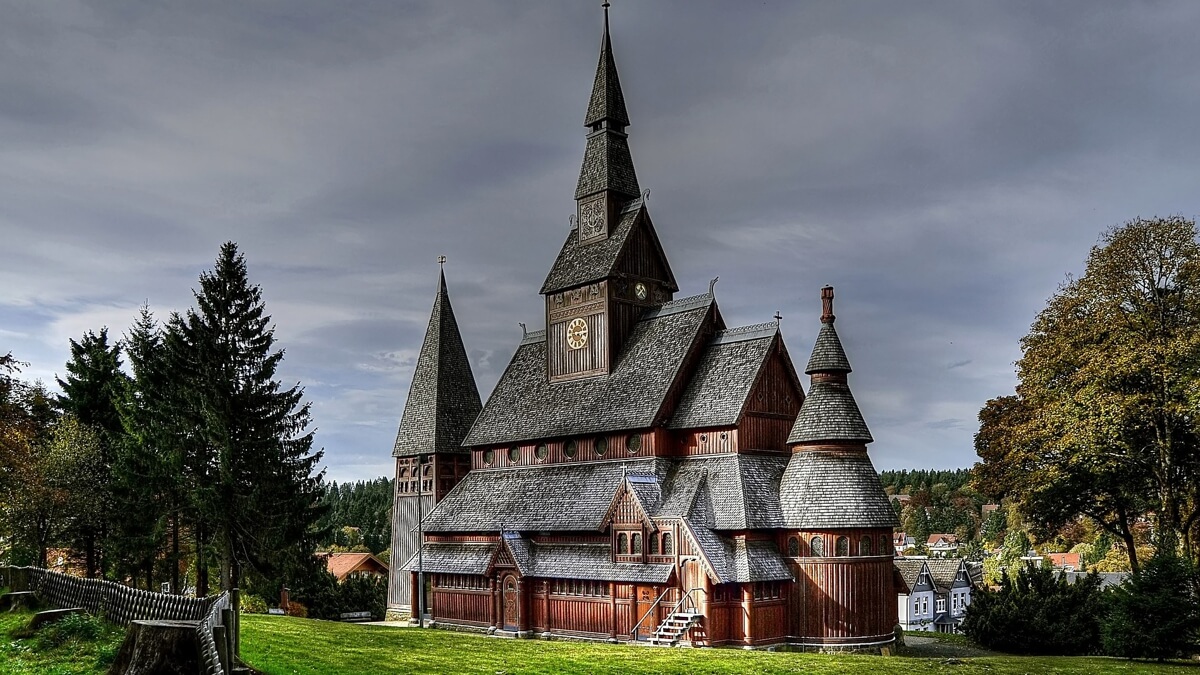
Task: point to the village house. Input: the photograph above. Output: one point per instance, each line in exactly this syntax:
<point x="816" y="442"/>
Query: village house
<point x="354" y="565"/>
<point x="942" y="545"/>
<point x="935" y="593"/>
<point x="901" y="542"/>
<point x="641" y="470"/>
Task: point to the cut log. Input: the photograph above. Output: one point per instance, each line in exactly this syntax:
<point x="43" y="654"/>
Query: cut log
<point x="11" y="602"/>
<point x="159" y="648"/>
<point x="51" y="615"/>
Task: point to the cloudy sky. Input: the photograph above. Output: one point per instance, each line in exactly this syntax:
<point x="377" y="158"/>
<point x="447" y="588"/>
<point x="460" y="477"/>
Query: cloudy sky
<point x="943" y="165"/>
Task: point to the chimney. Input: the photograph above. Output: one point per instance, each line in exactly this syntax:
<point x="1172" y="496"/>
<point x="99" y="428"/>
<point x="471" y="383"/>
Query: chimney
<point x="827" y="305"/>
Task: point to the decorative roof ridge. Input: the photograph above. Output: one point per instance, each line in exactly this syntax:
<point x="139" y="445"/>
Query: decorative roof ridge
<point x="681" y="305"/>
<point x="744" y="333"/>
<point x="632" y="205"/>
<point x="533" y="336"/>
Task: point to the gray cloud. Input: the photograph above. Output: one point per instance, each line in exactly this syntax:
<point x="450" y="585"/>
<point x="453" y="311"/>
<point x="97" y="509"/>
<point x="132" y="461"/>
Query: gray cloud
<point x="943" y="165"/>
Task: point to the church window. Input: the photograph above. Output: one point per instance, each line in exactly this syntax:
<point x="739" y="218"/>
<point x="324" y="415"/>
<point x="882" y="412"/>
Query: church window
<point x="403" y="473"/>
<point x="514" y="454"/>
<point x="652" y="544"/>
<point x="668" y="547"/>
<point x="817" y="546"/>
<point x="724" y="436"/>
<point x="633" y="443"/>
<point x="601" y="446"/>
<point x="883" y="543"/>
<point x="794" y="547"/>
<point x="622" y="544"/>
<point x="489" y="456"/>
<point x="843" y="546"/>
<point x="864" y="546"/>
<point x="569" y="450"/>
<point x="637" y="543"/>
<point x="542" y="452"/>
<point x="703" y="437"/>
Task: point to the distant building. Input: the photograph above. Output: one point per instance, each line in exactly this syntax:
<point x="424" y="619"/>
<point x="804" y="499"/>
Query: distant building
<point x="901" y="542"/>
<point x="942" y="545"/>
<point x="935" y="593"/>
<point x="354" y="565"/>
<point x="1066" y="562"/>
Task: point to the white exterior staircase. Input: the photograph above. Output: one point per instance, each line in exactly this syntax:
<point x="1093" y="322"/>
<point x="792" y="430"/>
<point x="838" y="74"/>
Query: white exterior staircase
<point x="673" y="628"/>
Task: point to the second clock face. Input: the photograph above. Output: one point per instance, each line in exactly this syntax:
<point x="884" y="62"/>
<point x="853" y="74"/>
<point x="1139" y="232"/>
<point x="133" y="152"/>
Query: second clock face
<point x="577" y="334"/>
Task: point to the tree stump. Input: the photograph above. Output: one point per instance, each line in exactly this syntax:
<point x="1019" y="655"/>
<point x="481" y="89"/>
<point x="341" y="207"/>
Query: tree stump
<point x="51" y="615"/>
<point x="11" y="602"/>
<point x="159" y="648"/>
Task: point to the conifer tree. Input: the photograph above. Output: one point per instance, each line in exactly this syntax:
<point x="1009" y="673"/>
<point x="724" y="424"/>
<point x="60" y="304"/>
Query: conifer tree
<point x="255" y="491"/>
<point x="91" y="391"/>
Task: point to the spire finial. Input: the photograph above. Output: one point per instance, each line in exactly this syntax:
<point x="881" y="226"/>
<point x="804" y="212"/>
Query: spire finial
<point x="827" y="305"/>
<point x="442" y="261"/>
<point x="778" y="317"/>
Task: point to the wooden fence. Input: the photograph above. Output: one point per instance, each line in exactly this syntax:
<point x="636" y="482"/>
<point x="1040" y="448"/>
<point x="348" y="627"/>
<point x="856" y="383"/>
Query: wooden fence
<point x="122" y="604"/>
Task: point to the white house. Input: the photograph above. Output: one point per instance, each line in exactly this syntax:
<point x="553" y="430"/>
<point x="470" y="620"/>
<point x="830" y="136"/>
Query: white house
<point x="936" y="593"/>
<point x="942" y="545"/>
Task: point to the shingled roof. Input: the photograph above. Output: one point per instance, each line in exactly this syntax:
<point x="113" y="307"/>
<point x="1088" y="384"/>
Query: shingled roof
<point x="827" y="354"/>
<point x="720" y="386"/>
<point x="584" y="264"/>
<point x="725" y="492"/>
<point x="825" y="490"/>
<point x="554" y="497"/>
<point x="443" y="400"/>
<point x="607" y="102"/>
<point x="526" y="406"/>
<point x="452" y="558"/>
<point x="829" y="413"/>
<point x="542" y="560"/>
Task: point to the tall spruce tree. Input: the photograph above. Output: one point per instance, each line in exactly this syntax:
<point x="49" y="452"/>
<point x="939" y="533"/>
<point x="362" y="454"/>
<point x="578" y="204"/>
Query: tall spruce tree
<point x="255" y="489"/>
<point x="91" y="392"/>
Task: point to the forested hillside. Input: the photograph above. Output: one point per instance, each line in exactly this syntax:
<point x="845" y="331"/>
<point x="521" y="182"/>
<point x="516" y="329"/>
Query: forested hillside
<point x="365" y="505"/>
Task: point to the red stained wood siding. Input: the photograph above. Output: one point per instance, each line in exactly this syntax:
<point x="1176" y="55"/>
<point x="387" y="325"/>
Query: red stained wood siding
<point x="709" y="441"/>
<point x="462" y="606"/>
<point x="843" y="599"/>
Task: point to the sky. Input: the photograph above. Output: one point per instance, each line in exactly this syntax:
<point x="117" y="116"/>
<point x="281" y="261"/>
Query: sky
<point x="944" y="165"/>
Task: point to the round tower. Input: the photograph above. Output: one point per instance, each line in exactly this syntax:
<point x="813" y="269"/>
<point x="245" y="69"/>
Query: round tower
<point x="838" y="520"/>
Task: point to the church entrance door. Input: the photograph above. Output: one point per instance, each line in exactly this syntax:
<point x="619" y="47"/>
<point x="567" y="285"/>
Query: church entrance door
<point x="512" y="604"/>
<point x="646" y="595"/>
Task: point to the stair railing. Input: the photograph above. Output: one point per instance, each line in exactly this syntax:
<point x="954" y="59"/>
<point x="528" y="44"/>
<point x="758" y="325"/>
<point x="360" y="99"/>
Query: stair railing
<point x="637" y="626"/>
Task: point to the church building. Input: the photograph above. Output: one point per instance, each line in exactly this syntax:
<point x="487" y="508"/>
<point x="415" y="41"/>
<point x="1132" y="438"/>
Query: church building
<point x="641" y="471"/>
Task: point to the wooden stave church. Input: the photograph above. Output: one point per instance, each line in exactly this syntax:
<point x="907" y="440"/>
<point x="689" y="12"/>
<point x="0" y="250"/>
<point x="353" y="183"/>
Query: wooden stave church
<point x="640" y="422"/>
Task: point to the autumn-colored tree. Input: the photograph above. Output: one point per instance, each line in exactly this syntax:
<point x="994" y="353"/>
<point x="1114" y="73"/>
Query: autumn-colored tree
<point x="1104" y="422"/>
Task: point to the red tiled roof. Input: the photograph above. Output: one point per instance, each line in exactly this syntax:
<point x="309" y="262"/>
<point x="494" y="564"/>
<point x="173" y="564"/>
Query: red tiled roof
<point x="939" y="538"/>
<point x="1064" y="559"/>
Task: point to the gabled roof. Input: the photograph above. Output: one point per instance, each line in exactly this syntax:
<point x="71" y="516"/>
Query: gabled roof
<point x="543" y="560"/>
<point x="584" y="264"/>
<point x="726" y="492"/>
<point x="910" y="571"/>
<point x="945" y="572"/>
<point x="554" y="497"/>
<point x="728" y="560"/>
<point x="526" y="406"/>
<point x="822" y="490"/>
<point x="720" y="387"/>
<point x="443" y="400"/>
<point x="645" y="492"/>
<point x="519" y="548"/>
<point x="341" y="565"/>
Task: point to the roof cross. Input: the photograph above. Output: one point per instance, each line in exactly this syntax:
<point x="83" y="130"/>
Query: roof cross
<point x="442" y="261"/>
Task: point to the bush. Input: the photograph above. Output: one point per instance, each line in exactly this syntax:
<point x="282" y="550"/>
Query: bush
<point x="252" y="604"/>
<point x="1155" y="613"/>
<point x="297" y="609"/>
<point x="71" y="628"/>
<point x="1039" y="612"/>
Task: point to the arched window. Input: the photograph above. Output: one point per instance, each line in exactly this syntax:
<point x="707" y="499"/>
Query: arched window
<point x="843" y="546"/>
<point x="816" y="546"/>
<point x="668" y="544"/>
<point x="652" y="543"/>
<point x="883" y="543"/>
<point x="622" y="544"/>
<point x="637" y="543"/>
<point x="864" y="546"/>
<point x="794" y="547"/>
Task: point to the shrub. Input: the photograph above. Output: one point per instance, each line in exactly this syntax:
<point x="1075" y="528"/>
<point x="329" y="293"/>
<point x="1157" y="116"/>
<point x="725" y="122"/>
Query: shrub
<point x="1155" y="613"/>
<point x="297" y="609"/>
<point x="71" y="628"/>
<point x="252" y="604"/>
<point x="1038" y="612"/>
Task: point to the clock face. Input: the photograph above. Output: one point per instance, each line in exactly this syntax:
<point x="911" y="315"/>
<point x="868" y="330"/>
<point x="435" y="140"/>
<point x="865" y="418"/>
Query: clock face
<point x="640" y="291"/>
<point x="577" y="334"/>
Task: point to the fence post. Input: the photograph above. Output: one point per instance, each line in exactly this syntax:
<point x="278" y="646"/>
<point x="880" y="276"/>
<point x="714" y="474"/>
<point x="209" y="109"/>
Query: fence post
<point x="230" y="631"/>
<point x="221" y="637"/>
<point x="235" y="599"/>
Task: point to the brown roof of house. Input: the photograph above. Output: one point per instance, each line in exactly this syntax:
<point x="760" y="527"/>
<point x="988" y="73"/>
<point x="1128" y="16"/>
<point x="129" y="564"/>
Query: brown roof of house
<point x="341" y="565"/>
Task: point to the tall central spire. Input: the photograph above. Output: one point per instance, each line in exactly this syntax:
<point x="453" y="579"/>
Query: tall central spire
<point x="606" y="179"/>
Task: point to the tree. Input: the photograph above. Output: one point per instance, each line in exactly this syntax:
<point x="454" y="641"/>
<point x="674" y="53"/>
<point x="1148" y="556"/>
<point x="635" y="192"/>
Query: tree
<point x="1155" y="612"/>
<point x="1037" y="612"/>
<point x="255" y="490"/>
<point x="1104" y="419"/>
<point x="91" y="393"/>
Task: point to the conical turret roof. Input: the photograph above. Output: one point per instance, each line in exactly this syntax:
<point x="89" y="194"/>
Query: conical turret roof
<point x="829" y="413"/>
<point x="607" y="164"/>
<point x="607" y="101"/>
<point x="443" y="400"/>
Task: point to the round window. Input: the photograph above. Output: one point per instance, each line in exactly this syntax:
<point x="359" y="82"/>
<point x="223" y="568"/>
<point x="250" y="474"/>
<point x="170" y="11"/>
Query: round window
<point x="542" y="452"/>
<point x="489" y="456"/>
<point x="633" y="443"/>
<point x="569" y="449"/>
<point x="601" y="445"/>
<point x="514" y="454"/>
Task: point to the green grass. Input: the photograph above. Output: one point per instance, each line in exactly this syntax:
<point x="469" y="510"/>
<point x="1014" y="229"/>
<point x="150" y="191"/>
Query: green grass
<point x="74" y="646"/>
<point x="287" y="646"/>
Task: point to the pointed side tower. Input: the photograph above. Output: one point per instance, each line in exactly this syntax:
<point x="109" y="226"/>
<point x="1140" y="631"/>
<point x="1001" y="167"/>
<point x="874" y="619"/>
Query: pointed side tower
<point x="443" y="402"/>
<point x="838" y="518"/>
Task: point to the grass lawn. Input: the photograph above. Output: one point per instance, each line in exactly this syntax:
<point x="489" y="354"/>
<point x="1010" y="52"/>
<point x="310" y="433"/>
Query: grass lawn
<point x="287" y="646"/>
<point x="85" y="646"/>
